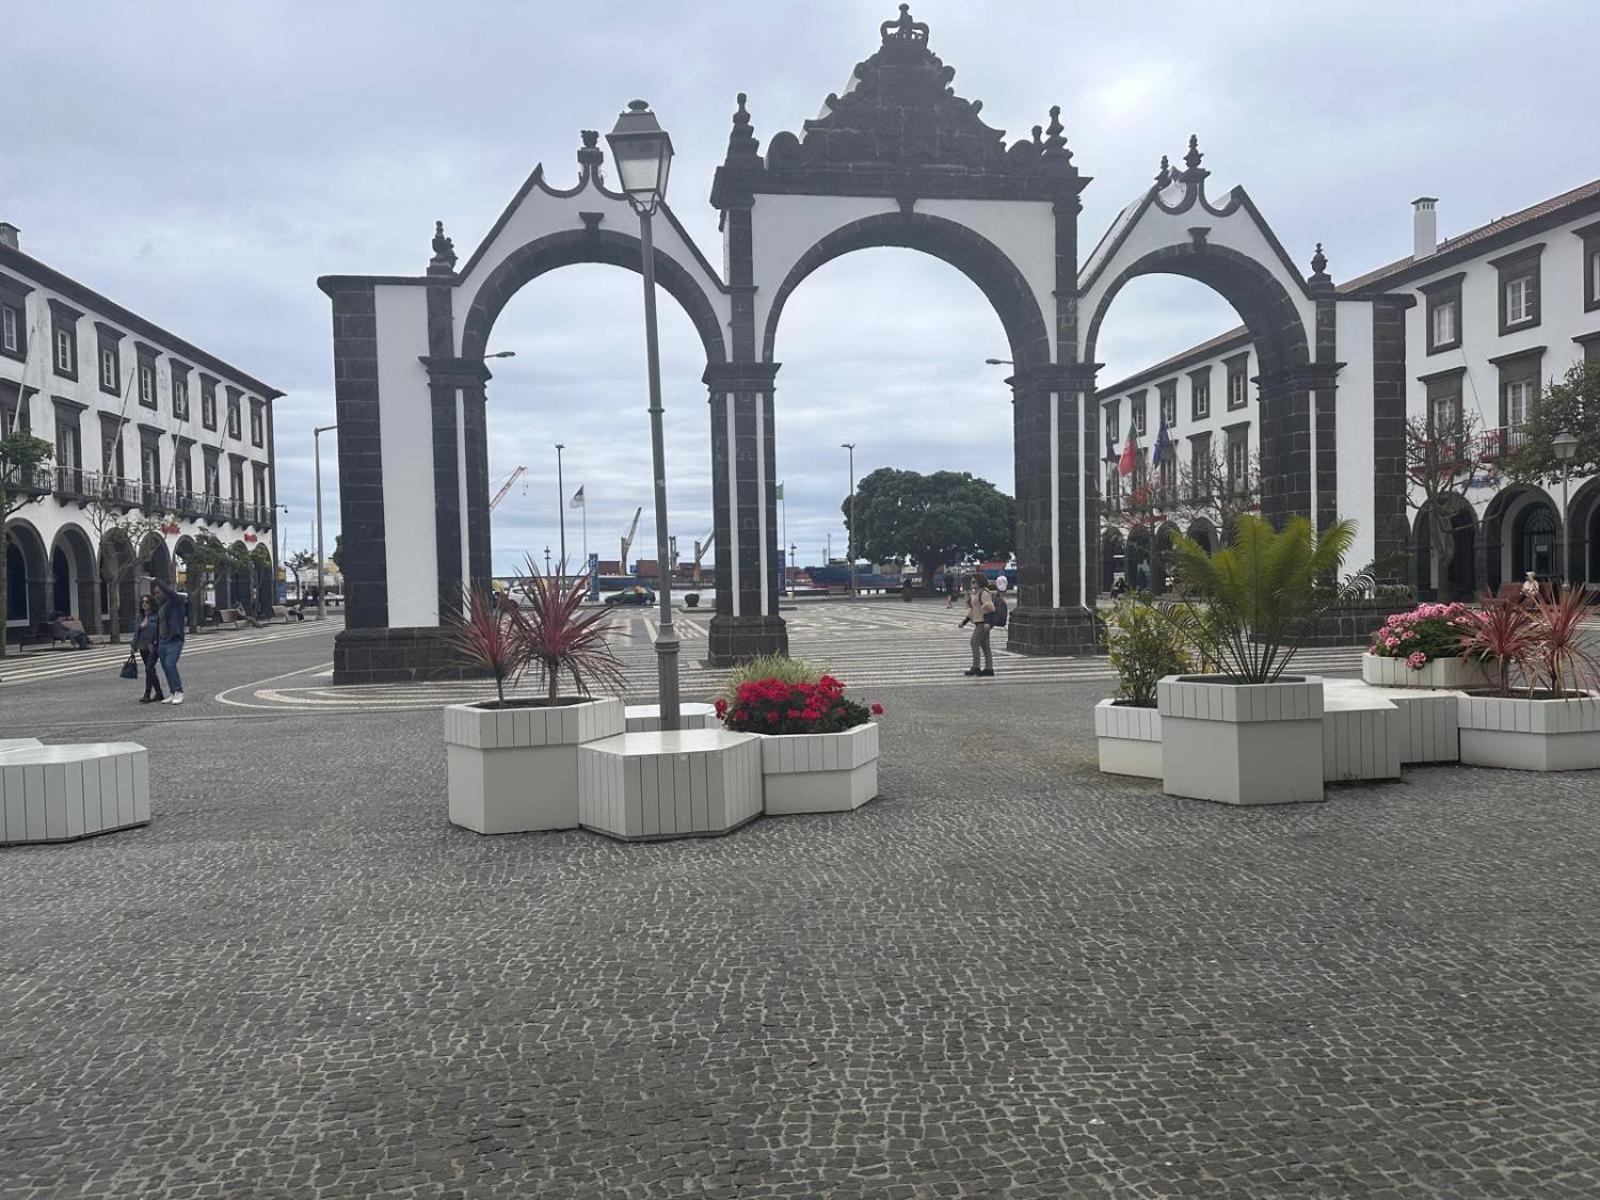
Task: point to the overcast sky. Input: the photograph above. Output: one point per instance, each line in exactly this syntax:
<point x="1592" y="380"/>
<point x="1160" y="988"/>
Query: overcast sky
<point x="203" y="163"/>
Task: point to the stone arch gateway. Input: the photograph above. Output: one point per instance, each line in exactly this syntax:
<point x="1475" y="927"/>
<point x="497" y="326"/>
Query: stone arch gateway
<point x="896" y="159"/>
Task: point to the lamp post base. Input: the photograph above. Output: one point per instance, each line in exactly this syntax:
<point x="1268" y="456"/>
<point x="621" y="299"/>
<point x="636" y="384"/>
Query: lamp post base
<point x="738" y="639"/>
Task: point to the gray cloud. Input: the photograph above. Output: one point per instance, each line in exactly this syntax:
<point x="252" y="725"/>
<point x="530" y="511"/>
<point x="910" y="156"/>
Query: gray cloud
<point x="203" y="164"/>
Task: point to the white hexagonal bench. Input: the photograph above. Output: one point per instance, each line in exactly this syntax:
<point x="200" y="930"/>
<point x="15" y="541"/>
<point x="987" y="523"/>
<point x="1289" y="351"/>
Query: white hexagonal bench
<point x="646" y="718"/>
<point x="63" y="793"/>
<point x="820" y="772"/>
<point x="1426" y="720"/>
<point x="677" y="784"/>
<point x="515" y="769"/>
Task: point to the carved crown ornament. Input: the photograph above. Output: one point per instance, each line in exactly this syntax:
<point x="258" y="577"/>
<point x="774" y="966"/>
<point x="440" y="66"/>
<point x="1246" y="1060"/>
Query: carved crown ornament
<point x="901" y="114"/>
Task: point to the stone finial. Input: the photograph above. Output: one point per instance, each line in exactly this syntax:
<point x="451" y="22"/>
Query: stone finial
<point x="443" y="261"/>
<point x="903" y="28"/>
<point x="1164" y="175"/>
<point x="589" y="154"/>
<point x="1054" y="143"/>
<point x="1320" y="278"/>
<point x="1193" y="173"/>
<point x="742" y="139"/>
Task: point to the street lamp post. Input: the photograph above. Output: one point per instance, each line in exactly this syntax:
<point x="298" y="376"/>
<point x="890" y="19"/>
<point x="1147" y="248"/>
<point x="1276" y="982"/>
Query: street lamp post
<point x="561" y="510"/>
<point x="1565" y="447"/>
<point x="850" y="540"/>
<point x="642" y="152"/>
<point x="316" y="453"/>
<point x="547" y="560"/>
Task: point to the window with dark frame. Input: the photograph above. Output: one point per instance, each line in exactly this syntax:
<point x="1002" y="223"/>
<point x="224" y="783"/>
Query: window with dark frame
<point x="1519" y="388"/>
<point x="258" y="434"/>
<point x="1200" y="393"/>
<point x="1443" y="313"/>
<point x="1238" y="459"/>
<point x="1591" y="265"/>
<point x="1444" y="402"/>
<point x="235" y="428"/>
<point x="208" y="401"/>
<point x="1168" y="392"/>
<point x="1136" y="407"/>
<point x="13" y="327"/>
<point x="1113" y="423"/>
<point x="260" y="473"/>
<point x="1200" y="466"/>
<point x="110" y="344"/>
<point x="1238" y="381"/>
<point x="146" y="374"/>
<point x="213" y="480"/>
<point x="64" y="339"/>
<point x="180" y="390"/>
<point x="1518" y="276"/>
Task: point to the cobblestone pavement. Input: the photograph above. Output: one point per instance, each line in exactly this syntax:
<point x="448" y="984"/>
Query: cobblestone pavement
<point x="1008" y="976"/>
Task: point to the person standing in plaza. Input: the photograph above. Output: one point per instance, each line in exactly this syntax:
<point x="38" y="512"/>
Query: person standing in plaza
<point x="145" y="642"/>
<point x="980" y="609"/>
<point x="172" y="622"/>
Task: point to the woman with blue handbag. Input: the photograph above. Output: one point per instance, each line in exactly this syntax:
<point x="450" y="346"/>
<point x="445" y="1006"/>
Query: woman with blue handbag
<point x="145" y="642"/>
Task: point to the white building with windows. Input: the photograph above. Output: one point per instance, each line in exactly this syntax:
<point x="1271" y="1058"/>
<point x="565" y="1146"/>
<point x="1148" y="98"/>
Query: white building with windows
<point x="143" y="423"/>
<point x="1495" y="313"/>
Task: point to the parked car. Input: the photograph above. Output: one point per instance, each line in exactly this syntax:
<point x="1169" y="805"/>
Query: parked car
<point x="634" y="595"/>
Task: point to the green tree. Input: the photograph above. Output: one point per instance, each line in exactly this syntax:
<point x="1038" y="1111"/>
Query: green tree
<point x="939" y="519"/>
<point x="338" y="552"/>
<point x="205" y="563"/>
<point x="300" y="562"/>
<point x="21" y="457"/>
<point x="1443" y="465"/>
<point x="261" y="568"/>
<point x="1570" y="405"/>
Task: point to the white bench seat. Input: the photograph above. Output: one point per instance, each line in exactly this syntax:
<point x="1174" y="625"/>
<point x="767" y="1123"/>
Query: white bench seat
<point x="646" y="718"/>
<point x="686" y="783"/>
<point x="1429" y="720"/>
<point x="63" y="793"/>
<point x="1360" y="736"/>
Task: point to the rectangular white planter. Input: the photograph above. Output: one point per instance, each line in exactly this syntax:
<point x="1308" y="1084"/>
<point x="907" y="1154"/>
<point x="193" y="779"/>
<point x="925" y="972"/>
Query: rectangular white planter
<point x="1530" y="735"/>
<point x="686" y="783"/>
<point x="820" y="772"/>
<point x="1129" y="739"/>
<point x="515" y="770"/>
<point x="62" y="793"/>
<point x="1457" y="673"/>
<point x="1250" y="743"/>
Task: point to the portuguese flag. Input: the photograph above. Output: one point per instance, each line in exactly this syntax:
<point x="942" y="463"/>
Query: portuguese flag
<point x="1130" y="450"/>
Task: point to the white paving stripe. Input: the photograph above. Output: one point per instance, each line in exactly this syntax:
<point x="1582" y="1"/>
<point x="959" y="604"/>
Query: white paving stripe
<point x="62" y="663"/>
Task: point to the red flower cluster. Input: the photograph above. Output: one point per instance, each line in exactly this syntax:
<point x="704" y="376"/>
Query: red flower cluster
<point x="773" y="706"/>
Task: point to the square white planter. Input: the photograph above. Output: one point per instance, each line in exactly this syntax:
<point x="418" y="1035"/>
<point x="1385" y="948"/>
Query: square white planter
<point x="515" y="770"/>
<point x="646" y="718"/>
<point x="1456" y="673"/>
<point x="820" y="772"/>
<point x="654" y="786"/>
<point x="1241" y="743"/>
<point x="1530" y="735"/>
<point x="1129" y="739"/>
<point x="1360" y="735"/>
<point x="63" y="793"/>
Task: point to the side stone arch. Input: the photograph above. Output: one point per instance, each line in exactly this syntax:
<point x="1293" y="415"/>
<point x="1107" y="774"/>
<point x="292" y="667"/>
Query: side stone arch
<point x="592" y="245"/>
<point x="73" y="550"/>
<point x="27" y="597"/>
<point x="968" y="251"/>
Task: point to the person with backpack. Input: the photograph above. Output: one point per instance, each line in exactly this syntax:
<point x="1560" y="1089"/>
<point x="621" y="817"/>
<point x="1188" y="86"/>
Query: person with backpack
<point x="980" y="615"/>
<point x="172" y="622"/>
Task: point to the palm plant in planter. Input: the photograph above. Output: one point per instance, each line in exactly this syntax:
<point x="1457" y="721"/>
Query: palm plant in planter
<point x="1543" y="714"/>
<point x="513" y="764"/>
<point x="1249" y="734"/>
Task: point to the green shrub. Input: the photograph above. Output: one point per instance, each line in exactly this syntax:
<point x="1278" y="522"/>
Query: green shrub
<point x="771" y="666"/>
<point x="1143" y="646"/>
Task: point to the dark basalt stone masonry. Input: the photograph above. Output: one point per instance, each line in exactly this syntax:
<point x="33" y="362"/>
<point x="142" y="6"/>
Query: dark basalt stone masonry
<point x="1391" y="529"/>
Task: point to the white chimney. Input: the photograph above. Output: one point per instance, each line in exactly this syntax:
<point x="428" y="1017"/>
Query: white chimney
<point x="1424" y="227"/>
<point x="8" y="235"/>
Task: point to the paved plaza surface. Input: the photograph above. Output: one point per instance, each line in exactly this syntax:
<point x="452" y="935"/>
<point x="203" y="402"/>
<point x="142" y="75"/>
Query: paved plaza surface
<point x="1008" y="976"/>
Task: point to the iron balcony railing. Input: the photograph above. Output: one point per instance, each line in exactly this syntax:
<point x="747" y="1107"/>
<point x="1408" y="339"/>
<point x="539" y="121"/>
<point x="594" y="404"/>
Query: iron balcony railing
<point x="33" y="480"/>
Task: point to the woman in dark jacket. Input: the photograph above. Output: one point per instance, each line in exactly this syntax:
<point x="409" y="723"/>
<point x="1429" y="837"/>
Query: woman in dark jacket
<point x="172" y="622"/>
<point x="144" y="645"/>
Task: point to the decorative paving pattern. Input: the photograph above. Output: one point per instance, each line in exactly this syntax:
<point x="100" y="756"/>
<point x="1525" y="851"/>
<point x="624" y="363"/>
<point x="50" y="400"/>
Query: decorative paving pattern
<point x="1007" y="976"/>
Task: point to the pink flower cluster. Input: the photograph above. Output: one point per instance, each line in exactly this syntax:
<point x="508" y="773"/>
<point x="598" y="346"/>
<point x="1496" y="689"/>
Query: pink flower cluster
<point x="1427" y="632"/>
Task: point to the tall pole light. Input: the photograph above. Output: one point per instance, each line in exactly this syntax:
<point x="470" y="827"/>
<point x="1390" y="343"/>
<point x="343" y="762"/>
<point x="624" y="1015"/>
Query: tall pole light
<point x="561" y="510"/>
<point x="1565" y="446"/>
<point x="547" y="560"/>
<point x="642" y="152"/>
<point x="850" y="540"/>
<point x="316" y="453"/>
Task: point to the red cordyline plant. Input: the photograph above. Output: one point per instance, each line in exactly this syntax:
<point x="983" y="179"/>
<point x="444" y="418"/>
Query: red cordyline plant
<point x="487" y="637"/>
<point x="1502" y="631"/>
<point x="1538" y="638"/>
<point x="558" y="636"/>
<point x="551" y="636"/>
<point x="1561" y="657"/>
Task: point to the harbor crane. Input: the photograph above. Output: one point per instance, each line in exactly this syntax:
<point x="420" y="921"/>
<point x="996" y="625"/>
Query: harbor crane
<point x="505" y="487"/>
<point x="627" y="540"/>
<point x="701" y="545"/>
